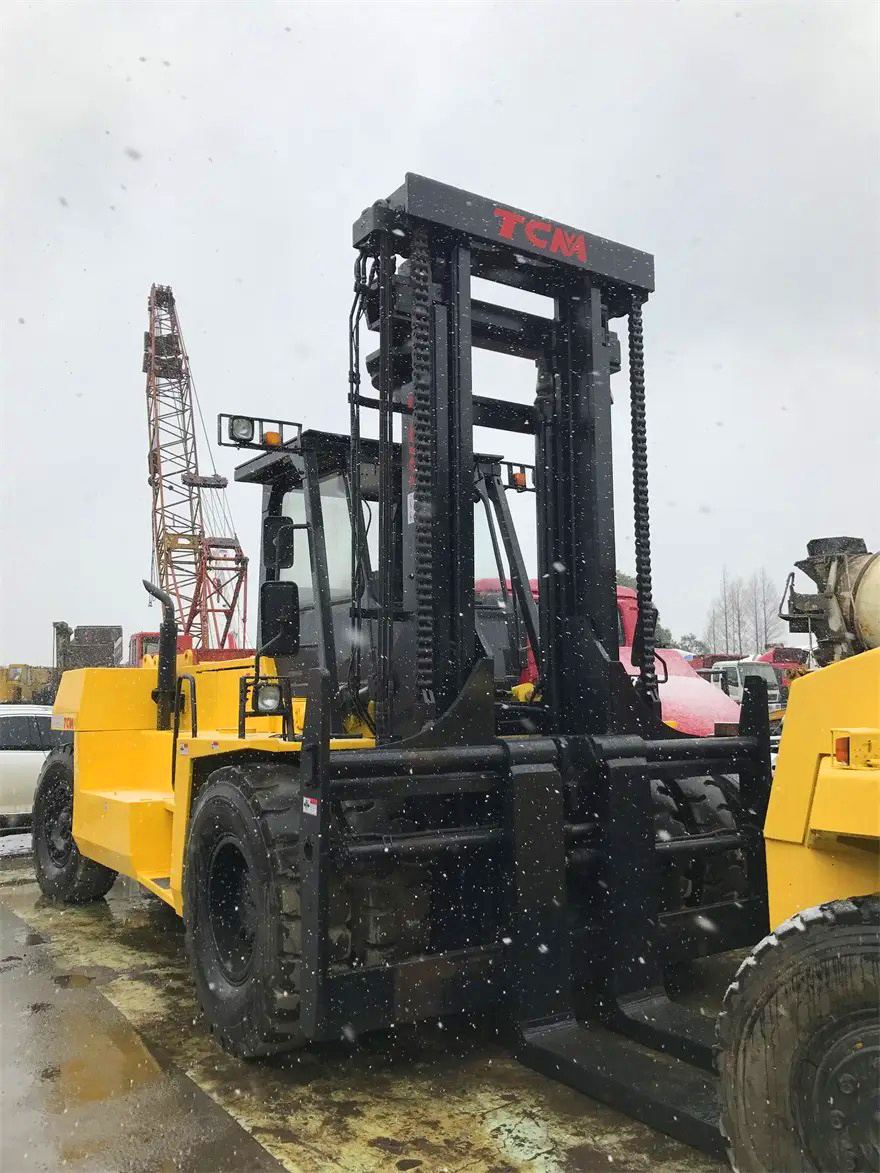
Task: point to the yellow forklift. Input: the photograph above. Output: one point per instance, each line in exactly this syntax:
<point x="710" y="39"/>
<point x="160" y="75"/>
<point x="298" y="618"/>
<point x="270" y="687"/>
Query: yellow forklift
<point x="799" y="1031"/>
<point x="365" y="824"/>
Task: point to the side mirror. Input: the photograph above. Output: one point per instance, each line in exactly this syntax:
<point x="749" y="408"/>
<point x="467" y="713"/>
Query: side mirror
<point x="277" y="542"/>
<point x="725" y="686"/>
<point x="279" y="618"/>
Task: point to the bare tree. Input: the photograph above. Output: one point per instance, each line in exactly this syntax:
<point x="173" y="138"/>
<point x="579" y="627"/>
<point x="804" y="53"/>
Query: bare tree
<point x="725" y="609"/>
<point x="738" y="607"/>
<point x="755" y="613"/>
<point x="742" y="618"/>
<point x="771" y="626"/>
<point x="717" y="633"/>
<point x="712" y="631"/>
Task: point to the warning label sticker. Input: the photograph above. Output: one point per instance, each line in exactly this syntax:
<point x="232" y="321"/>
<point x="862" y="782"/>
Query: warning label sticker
<point x="310" y="806"/>
<point x="61" y="724"/>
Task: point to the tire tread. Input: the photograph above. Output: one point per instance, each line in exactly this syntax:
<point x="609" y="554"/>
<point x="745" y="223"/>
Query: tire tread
<point x="87" y="880"/>
<point x="757" y="973"/>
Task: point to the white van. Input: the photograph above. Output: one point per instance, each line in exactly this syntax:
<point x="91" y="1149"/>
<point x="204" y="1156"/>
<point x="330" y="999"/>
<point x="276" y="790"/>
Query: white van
<point x="25" y="740"/>
<point x="730" y="676"/>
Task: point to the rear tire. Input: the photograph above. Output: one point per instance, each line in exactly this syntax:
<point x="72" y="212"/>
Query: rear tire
<point x="799" y="1045"/>
<point x="63" y="873"/>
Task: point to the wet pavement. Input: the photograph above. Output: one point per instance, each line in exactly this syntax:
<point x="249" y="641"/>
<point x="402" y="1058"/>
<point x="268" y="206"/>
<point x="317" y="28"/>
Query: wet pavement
<point x="107" y="1064"/>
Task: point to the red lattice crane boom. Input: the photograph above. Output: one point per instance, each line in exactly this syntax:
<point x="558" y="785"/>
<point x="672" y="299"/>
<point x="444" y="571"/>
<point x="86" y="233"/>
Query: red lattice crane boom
<point x="196" y="555"/>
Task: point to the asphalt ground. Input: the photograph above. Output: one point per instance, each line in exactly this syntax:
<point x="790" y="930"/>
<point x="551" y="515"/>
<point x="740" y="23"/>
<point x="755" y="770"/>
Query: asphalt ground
<point x="108" y="1065"/>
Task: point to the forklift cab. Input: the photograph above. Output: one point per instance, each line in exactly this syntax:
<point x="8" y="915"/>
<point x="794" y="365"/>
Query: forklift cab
<point x="307" y="484"/>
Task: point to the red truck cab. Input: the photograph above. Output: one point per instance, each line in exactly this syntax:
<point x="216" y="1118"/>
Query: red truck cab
<point x="788" y="663"/>
<point x="688" y="702"/>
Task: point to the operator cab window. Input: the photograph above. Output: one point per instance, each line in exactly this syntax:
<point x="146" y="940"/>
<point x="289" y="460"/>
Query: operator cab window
<point x="337" y="539"/>
<point x="293" y="506"/>
<point x="490" y="565"/>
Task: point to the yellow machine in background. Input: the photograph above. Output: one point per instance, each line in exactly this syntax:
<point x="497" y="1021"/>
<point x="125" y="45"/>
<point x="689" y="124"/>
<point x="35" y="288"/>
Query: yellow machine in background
<point x="25" y="684"/>
<point x="799" y="1031"/>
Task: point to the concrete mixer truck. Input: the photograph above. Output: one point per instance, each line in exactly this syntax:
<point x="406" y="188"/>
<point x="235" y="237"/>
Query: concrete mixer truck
<point x="844" y="615"/>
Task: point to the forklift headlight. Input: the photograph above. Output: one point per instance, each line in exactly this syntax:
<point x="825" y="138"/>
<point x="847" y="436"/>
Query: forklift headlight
<point x="268" y="699"/>
<point x="241" y="429"/>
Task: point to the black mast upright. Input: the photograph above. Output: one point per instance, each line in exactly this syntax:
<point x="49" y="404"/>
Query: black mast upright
<point x="428" y="323"/>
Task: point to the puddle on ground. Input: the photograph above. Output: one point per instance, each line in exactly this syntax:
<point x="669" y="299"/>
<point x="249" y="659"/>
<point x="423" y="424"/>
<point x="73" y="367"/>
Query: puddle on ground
<point x="73" y="981"/>
<point x="97" y="1061"/>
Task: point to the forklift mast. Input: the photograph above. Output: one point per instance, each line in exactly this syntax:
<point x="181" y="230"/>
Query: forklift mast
<point x="544" y="824"/>
<point x="418" y="252"/>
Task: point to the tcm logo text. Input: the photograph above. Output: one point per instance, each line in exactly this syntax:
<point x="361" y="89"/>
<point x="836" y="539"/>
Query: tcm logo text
<point x="542" y="234"/>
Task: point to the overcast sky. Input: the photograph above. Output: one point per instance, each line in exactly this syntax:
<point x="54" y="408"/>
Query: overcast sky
<point x="225" y="149"/>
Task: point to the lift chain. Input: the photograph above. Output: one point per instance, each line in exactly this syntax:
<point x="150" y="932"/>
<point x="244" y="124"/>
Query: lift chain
<point x="643" y="649"/>
<point x="423" y="451"/>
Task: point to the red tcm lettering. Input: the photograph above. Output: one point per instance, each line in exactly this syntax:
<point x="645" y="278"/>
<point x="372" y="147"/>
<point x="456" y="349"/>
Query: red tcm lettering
<point x="543" y="234"/>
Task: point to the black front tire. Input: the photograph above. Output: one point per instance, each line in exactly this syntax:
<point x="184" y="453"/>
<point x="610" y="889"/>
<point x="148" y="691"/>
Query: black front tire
<point x="799" y="1045"/>
<point x="63" y="873"/>
<point x="241" y="908"/>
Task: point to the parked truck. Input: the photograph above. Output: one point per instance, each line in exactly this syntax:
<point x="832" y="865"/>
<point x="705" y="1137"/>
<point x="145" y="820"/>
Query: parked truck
<point x="730" y="676"/>
<point x="788" y="664"/>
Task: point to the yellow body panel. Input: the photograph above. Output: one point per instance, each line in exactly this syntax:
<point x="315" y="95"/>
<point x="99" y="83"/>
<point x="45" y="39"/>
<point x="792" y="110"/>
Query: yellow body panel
<point x="123" y="801"/>
<point x="846" y="802"/>
<point x="845" y="695"/>
<point x="822" y="832"/>
<point x="127" y="830"/>
<point x="801" y="876"/>
<point x="127" y="814"/>
<point x="107" y="698"/>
